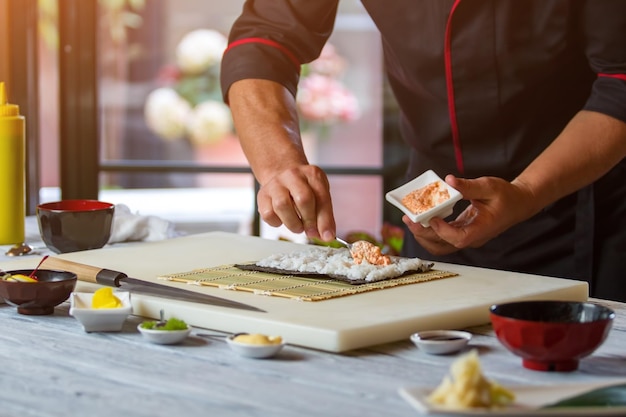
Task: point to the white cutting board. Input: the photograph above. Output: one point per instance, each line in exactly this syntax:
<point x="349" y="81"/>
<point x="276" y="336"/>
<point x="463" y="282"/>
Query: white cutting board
<point x="334" y="325"/>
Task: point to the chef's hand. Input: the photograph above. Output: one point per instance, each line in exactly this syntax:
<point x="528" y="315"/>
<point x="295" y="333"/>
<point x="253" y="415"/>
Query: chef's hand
<point x="495" y="205"/>
<point x="299" y="198"/>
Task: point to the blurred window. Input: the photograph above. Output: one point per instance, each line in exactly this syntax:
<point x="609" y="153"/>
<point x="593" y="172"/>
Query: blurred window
<point x="164" y="140"/>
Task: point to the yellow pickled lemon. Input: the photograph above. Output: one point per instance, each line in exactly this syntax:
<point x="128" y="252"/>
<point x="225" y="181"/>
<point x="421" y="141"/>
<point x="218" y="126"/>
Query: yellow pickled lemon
<point x="21" y="278"/>
<point x="104" y="298"/>
<point x="258" y="339"/>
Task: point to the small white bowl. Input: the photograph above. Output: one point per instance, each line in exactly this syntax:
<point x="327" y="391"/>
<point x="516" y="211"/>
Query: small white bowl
<point x="442" y="210"/>
<point x="254" y="351"/>
<point x="441" y="342"/>
<point x="164" y="337"/>
<point x="100" y="319"/>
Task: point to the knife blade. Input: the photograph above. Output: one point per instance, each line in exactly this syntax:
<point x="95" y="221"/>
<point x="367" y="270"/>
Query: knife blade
<point x="120" y="280"/>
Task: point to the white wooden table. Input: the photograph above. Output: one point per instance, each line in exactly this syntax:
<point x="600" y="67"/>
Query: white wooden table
<point x="51" y="367"/>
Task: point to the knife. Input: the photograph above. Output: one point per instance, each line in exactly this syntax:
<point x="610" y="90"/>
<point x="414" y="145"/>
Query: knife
<point x="118" y="279"/>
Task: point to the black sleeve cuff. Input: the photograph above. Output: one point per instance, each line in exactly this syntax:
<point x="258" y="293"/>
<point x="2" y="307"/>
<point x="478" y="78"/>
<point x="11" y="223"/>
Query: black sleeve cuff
<point x="257" y="61"/>
<point x="608" y="96"/>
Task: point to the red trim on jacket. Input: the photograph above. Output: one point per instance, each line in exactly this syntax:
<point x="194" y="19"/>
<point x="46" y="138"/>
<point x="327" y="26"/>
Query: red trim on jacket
<point x="618" y="76"/>
<point x="267" y="42"/>
<point x="450" y="87"/>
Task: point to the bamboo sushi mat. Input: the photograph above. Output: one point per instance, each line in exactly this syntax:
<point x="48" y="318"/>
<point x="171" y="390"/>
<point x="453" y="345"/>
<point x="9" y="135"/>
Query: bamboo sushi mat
<point x="292" y="286"/>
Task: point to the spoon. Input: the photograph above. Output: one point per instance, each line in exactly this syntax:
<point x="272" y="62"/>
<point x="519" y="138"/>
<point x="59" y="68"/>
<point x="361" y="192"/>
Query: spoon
<point x="32" y="274"/>
<point x="350" y="246"/>
<point x="343" y="242"/>
<point x="161" y="321"/>
<point x="220" y="336"/>
<point x="20" y="249"/>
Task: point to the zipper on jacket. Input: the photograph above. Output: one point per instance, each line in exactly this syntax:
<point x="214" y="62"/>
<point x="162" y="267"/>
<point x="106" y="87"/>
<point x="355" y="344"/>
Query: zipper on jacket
<point x="456" y="139"/>
<point x="618" y="76"/>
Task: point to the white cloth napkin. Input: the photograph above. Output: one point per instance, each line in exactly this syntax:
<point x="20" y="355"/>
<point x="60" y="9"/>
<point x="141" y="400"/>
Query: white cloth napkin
<point x="128" y="227"/>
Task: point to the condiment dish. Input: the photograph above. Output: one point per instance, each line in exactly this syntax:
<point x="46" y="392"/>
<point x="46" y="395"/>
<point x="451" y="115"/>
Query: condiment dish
<point x="164" y="337"/>
<point x="100" y="319"/>
<point x="551" y="335"/>
<point x="40" y="297"/>
<point x="441" y="342"/>
<point x="442" y="210"/>
<point x="253" y="350"/>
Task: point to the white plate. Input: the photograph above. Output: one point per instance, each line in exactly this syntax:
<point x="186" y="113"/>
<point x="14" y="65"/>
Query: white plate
<point x="528" y="400"/>
<point x="442" y="210"/>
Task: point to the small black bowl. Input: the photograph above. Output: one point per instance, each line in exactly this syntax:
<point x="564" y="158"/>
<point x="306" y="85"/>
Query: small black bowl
<point x="38" y="298"/>
<point x="75" y="225"/>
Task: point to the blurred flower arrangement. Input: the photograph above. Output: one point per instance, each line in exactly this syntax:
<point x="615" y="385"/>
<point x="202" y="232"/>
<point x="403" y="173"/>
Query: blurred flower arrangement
<point x="188" y="104"/>
<point x="323" y="100"/>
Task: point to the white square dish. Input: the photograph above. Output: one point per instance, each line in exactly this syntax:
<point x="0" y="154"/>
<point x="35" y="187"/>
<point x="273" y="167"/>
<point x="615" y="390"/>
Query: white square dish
<point x="442" y="210"/>
<point x="100" y="319"/>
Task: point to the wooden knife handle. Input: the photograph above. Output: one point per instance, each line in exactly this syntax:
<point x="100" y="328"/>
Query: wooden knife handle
<point x="86" y="272"/>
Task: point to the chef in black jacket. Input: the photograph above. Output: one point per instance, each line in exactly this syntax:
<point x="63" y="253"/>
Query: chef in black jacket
<point x="520" y="105"/>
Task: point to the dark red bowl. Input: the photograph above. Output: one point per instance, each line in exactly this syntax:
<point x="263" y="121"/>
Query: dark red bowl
<point x="38" y="298"/>
<point x="75" y="225"/>
<point x="551" y="335"/>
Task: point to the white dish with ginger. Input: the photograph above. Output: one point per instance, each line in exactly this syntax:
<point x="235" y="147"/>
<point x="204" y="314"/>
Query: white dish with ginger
<point x="466" y="391"/>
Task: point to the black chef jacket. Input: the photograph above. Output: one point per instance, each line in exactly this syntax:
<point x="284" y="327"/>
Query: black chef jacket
<point x="483" y="87"/>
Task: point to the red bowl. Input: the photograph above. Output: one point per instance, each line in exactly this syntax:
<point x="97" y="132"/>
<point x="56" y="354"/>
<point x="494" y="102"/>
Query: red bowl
<point x="551" y="335"/>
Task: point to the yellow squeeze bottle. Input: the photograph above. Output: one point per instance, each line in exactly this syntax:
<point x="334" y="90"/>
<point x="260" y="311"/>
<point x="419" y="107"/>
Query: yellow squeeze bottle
<point x="12" y="171"/>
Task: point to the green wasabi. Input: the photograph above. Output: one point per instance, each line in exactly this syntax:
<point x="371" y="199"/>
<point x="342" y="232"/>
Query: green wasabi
<point x="171" y="324"/>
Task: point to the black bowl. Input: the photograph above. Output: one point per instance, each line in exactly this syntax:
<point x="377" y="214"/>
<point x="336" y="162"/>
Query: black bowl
<point x="38" y="298"/>
<point x="75" y="225"/>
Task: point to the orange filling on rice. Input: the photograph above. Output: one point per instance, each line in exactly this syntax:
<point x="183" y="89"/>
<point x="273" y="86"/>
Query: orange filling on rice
<point x="364" y="250"/>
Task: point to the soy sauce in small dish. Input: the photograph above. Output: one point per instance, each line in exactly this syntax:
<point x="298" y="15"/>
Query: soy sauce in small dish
<point x="441" y="342"/>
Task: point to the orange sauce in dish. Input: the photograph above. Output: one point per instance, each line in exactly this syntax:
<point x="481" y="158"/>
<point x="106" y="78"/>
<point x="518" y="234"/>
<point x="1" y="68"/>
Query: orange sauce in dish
<point x="427" y="197"/>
